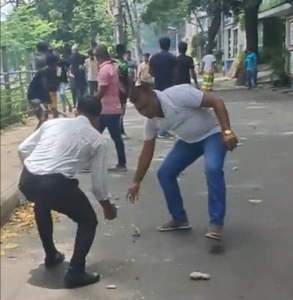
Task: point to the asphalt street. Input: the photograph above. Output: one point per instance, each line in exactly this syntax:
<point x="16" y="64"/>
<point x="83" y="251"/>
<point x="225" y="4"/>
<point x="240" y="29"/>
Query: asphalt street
<point x="257" y="262"/>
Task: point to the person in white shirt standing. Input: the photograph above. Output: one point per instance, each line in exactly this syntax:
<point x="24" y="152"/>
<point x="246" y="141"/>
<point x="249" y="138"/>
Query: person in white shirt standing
<point x="208" y="68"/>
<point x="91" y="67"/>
<point x="52" y="156"/>
<point x="202" y="124"/>
<point x="143" y="74"/>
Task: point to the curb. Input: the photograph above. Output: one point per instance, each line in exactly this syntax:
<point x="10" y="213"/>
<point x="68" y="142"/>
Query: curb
<point x="8" y="204"/>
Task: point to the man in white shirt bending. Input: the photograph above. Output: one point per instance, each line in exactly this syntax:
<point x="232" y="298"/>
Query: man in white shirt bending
<point x="202" y="124"/>
<point x="52" y="155"/>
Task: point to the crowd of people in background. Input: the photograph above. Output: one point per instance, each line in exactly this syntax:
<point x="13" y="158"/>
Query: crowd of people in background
<point x="110" y="80"/>
<point x="79" y="73"/>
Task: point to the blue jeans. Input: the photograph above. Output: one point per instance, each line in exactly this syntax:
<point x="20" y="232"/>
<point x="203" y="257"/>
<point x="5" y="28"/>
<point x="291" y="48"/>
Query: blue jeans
<point x="112" y="123"/>
<point x="250" y="78"/>
<point x="179" y="158"/>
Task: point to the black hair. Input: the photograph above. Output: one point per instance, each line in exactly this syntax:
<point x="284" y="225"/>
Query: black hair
<point x="182" y="47"/>
<point x="42" y="47"/>
<point x="89" y="106"/>
<point x="128" y="52"/>
<point x="90" y="52"/>
<point x="51" y="59"/>
<point x="147" y="55"/>
<point x="136" y="90"/>
<point x="101" y="52"/>
<point x="165" y="43"/>
<point x="209" y="50"/>
<point x="120" y="50"/>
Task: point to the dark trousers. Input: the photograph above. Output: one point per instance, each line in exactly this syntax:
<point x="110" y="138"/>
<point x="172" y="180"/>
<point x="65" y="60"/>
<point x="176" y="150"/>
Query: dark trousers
<point x="58" y="193"/>
<point x="78" y="90"/>
<point x="112" y="123"/>
<point x="93" y="87"/>
<point x="123" y="101"/>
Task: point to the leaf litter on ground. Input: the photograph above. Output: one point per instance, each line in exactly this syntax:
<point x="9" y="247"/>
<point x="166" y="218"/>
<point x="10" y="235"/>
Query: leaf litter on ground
<point x="22" y="221"/>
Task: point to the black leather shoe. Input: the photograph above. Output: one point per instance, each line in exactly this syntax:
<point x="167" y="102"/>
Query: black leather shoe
<point x="74" y="279"/>
<point x="55" y="260"/>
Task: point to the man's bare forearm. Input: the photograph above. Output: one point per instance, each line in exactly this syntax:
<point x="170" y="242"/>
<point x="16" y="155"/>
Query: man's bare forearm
<point x="222" y="115"/>
<point x="142" y="168"/>
<point x="144" y="161"/>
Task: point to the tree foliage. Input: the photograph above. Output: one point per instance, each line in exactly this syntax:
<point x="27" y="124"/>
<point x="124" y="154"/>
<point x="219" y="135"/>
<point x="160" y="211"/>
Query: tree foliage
<point x="58" y="22"/>
<point x="24" y="27"/>
<point x="175" y="12"/>
<point x="78" y="21"/>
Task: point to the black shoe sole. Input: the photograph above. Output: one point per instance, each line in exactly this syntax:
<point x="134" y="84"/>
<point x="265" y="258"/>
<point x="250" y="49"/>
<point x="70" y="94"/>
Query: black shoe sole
<point x="79" y="284"/>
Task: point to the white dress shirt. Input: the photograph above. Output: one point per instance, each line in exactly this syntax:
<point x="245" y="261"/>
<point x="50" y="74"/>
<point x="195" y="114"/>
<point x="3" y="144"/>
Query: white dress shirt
<point x="66" y="146"/>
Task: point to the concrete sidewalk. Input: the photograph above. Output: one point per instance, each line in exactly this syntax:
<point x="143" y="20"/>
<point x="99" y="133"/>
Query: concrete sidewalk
<point x="156" y="266"/>
<point x="10" y="165"/>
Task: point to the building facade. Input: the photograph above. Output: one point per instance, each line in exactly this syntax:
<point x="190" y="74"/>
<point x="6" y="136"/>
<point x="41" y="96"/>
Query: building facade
<point x="274" y="14"/>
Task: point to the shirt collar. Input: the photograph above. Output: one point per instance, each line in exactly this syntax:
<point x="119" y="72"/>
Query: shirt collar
<point x="83" y="119"/>
<point x="160" y="96"/>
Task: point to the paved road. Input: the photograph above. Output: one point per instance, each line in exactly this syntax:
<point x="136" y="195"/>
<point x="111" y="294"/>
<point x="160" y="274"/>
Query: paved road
<point x="258" y="261"/>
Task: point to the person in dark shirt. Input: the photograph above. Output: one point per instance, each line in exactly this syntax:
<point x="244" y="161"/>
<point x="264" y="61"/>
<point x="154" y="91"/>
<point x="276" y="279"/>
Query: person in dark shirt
<point x="43" y="50"/>
<point x="62" y="72"/>
<point x="162" y="67"/>
<point x="77" y="74"/>
<point x="184" y="67"/>
<point x="43" y="89"/>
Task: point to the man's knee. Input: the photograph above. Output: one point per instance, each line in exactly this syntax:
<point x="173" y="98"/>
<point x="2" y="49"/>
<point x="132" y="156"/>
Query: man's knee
<point x="89" y="220"/>
<point x="213" y="168"/>
<point x="164" y="173"/>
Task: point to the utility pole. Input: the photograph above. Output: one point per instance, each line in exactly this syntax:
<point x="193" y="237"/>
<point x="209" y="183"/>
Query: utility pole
<point x="223" y="41"/>
<point x="117" y="12"/>
<point x="137" y="30"/>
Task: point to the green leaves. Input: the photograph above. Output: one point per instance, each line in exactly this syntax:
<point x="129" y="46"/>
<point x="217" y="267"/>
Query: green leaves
<point x="24" y="28"/>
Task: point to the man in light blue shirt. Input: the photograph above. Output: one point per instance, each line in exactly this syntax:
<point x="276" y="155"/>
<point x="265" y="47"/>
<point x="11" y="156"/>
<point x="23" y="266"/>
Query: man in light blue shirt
<point x="251" y="62"/>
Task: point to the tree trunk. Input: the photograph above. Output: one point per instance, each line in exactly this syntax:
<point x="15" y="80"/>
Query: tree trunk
<point x="214" y="29"/>
<point x="251" y="29"/>
<point x="251" y="24"/>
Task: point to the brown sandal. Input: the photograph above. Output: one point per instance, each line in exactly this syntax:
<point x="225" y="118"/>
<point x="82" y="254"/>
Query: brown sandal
<point x="214" y="236"/>
<point x="214" y="232"/>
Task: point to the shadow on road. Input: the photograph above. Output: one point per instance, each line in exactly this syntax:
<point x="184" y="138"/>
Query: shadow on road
<point x="49" y="279"/>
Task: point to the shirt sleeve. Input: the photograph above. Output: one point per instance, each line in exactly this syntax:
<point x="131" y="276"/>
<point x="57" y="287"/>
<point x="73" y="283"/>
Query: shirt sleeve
<point x="103" y="77"/>
<point x="29" y="144"/>
<point x="151" y="129"/>
<point x="189" y="96"/>
<point x="99" y="172"/>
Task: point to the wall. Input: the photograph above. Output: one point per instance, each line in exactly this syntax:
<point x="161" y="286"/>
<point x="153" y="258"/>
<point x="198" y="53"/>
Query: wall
<point x="289" y="43"/>
<point x="269" y="4"/>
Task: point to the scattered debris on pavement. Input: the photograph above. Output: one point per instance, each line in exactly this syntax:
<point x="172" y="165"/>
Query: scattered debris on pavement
<point x="255" y="201"/>
<point x="136" y="232"/>
<point x="111" y="287"/>
<point x="199" y="276"/>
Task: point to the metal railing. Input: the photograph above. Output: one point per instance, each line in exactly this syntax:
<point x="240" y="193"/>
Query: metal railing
<point x="14" y="104"/>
